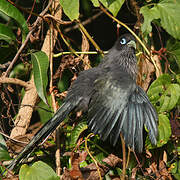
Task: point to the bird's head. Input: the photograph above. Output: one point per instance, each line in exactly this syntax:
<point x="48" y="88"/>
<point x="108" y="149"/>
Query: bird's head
<point x="126" y="42"/>
<point x="122" y="54"/>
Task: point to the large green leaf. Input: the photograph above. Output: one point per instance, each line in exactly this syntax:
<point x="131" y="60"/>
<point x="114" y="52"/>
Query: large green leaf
<point x="164" y="130"/>
<point x="164" y="94"/>
<point x="168" y="13"/>
<point x="6" y="34"/>
<point x="40" y="66"/>
<point x="14" y="13"/>
<point x="38" y="171"/>
<point x="71" y="8"/>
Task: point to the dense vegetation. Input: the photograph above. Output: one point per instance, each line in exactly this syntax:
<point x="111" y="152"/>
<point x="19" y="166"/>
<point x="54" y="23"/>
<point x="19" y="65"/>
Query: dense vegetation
<point x="43" y="47"/>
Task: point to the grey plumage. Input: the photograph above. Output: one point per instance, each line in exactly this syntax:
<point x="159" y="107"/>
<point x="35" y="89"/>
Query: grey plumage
<point x="114" y="102"/>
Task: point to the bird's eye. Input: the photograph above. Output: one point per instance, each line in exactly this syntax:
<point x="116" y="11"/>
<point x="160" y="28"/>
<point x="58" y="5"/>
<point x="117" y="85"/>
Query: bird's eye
<point x="123" y="41"/>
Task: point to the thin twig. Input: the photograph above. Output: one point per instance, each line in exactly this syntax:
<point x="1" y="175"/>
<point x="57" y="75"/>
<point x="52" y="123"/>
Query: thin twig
<point x="24" y="9"/>
<point x="128" y="157"/>
<point x="68" y="45"/>
<point x="95" y="162"/>
<point x="87" y="52"/>
<point x="31" y="11"/>
<point x="5" y="65"/>
<point x="139" y="164"/>
<point x="56" y="15"/>
<point x="57" y="132"/>
<point x="89" y="20"/>
<point x="89" y="37"/>
<point x="59" y="21"/>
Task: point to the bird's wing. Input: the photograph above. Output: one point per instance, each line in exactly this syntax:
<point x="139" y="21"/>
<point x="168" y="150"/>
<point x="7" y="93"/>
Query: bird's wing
<point x="140" y="113"/>
<point x="122" y="108"/>
<point x="107" y="103"/>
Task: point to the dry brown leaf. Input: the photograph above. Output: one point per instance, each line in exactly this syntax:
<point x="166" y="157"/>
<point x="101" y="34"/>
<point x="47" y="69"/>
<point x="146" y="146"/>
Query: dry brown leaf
<point x="76" y="158"/>
<point x="165" y="157"/>
<point x="12" y="178"/>
<point x="165" y="174"/>
<point x="146" y="69"/>
<point x="133" y="175"/>
<point x="89" y="172"/>
<point x="112" y="160"/>
<point x="66" y="175"/>
<point x="85" y="48"/>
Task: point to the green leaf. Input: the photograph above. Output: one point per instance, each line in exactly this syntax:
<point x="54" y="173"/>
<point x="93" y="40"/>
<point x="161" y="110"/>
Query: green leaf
<point x="45" y="112"/>
<point x="6" y="34"/>
<point x="38" y="171"/>
<point x="14" y="13"/>
<point x="64" y="82"/>
<point x="175" y="169"/>
<point x="164" y="95"/>
<point x="83" y="164"/>
<point x="113" y="5"/>
<point x="76" y="132"/>
<point x="95" y="3"/>
<point x="5" y="17"/>
<point x="40" y="66"/>
<point x="164" y="130"/>
<point x="149" y="15"/>
<point x="71" y="8"/>
<point x="4" y="155"/>
<point x="168" y="13"/>
<point x="170" y="97"/>
<point x="178" y="78"/>
<point x="157" y="88"/>
<point x="20" y="71"/>
<point x="173" y="49"/>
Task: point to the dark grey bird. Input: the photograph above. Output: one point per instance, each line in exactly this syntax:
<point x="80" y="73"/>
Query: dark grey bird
<point x="114" y="102"/>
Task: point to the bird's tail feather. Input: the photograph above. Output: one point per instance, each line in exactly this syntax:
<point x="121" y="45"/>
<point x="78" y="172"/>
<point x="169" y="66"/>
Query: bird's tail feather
<point x="44" y="132"/>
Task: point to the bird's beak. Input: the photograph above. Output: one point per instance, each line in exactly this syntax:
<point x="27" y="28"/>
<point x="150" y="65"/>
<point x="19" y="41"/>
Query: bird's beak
<point x="132" y="44"/>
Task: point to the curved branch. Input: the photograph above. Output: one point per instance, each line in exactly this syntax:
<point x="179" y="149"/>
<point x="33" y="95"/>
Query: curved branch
<point x="6" y="80"/>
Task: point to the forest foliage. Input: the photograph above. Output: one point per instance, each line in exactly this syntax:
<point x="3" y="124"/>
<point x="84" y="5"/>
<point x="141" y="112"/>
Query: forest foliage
<point x="43" y="47"/>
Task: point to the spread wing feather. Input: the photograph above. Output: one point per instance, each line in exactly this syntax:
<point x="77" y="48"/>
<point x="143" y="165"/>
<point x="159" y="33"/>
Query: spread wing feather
<point x="107" y="103"/>
<point x="122" y="111"/>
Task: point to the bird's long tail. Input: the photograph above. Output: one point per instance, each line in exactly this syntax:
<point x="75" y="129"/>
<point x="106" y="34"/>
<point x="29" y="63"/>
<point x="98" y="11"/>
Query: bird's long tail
<point x="44" y="132"/>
